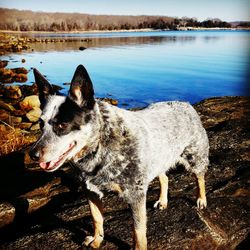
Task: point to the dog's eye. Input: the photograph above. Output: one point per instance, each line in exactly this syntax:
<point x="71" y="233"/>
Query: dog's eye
<point x="62" y="125"/>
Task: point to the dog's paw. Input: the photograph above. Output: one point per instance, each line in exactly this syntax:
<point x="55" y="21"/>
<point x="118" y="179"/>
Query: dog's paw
<point x="93" y="242"/>
<point x="201" y="203"/>
<point x="160" y="204"/>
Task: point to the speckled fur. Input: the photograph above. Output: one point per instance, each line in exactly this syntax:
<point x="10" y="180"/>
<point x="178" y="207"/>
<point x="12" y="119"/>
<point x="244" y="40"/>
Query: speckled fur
<point x="135" y="147"/>
<point x="114" y="147"/>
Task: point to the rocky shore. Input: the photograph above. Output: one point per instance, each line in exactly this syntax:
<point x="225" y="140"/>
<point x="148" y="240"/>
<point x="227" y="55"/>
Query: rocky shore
<point x="14" y="43"/>
<point x="47" y="211"/>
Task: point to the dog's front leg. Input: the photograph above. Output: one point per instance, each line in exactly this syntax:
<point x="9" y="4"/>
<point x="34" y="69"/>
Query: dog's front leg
<point x="95" y="241"/>
<point x="140" y="223"/>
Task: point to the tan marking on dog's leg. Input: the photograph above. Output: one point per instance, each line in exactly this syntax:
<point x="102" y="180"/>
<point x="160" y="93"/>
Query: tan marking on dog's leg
<point x="162" y="203"/>
<point x="202" y="200"/>
<point x="96" y="212"/>
<point x="140" y="224"/>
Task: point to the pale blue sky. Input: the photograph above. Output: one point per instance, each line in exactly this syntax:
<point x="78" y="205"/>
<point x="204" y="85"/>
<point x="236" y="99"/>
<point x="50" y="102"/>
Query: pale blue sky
<point x="228" y="10"/>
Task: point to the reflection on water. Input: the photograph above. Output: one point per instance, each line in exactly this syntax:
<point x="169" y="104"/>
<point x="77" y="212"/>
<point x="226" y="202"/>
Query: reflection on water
<point x="141" y="68"/>
<point x="75" y="43"/>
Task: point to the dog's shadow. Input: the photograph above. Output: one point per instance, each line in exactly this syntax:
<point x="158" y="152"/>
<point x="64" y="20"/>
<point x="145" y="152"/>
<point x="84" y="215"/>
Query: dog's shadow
<point x="14" y="177"/>
<point x="16" y="180"/>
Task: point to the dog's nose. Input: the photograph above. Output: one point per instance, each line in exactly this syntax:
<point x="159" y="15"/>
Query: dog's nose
<point x="34" y="155"/>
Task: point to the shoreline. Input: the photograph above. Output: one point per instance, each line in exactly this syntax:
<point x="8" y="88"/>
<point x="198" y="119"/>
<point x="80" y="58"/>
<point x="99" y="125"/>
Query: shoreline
<point x="122" y="30"/>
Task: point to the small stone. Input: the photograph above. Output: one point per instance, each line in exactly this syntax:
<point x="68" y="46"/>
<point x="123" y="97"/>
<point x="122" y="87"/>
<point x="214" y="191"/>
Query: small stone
<point x="14" y="120"/>
<point x="6" y="75"/>
<point x="13" y="92"/>
<point x="114" y="102"/>
<point x="35" y="127"/>
<point x="34" y="114"/>
<point x="4" y="115"/>
<point x="18" y="112"/>
<point x="3" y="64"/>
<point x="23" y="60"/>
<point x="20" y="70"/>
<point x="20" y="78"/>
<point x="82" y="48"/>
<point x="29" y="103"/>
<point x="6" y="106"/>
<point x="25" y="125"/>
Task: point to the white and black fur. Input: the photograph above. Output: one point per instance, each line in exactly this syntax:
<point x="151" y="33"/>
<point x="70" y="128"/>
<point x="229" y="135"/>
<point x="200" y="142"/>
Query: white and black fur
<point x="117" y="147"/>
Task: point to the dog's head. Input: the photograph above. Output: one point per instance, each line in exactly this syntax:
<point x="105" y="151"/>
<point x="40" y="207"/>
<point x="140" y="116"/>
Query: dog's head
<point x="66" y="122"/>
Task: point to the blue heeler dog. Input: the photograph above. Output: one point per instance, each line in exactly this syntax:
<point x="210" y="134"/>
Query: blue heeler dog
<point x="117" y="149"/>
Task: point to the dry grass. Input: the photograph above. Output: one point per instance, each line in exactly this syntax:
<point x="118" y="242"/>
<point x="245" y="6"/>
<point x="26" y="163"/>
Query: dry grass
<point x="14" y="139"/>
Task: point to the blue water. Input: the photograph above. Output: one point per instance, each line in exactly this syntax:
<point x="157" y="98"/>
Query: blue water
<point x="142" y="68"/>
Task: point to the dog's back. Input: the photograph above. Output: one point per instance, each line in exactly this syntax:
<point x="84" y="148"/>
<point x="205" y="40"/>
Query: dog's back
<point x="166" y="133"/>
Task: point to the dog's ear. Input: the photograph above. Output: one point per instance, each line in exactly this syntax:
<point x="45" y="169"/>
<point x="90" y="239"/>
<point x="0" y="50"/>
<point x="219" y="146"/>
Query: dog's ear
<point x="44" y="87"/>
<point x="81" y="89"/>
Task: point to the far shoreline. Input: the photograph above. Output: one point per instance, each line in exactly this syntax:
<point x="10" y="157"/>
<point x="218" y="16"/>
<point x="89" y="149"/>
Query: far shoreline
<point x="123" y="30"/>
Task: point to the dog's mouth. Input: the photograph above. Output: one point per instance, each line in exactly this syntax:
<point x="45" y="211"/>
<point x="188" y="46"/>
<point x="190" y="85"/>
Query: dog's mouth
<point x="56" y="163"/>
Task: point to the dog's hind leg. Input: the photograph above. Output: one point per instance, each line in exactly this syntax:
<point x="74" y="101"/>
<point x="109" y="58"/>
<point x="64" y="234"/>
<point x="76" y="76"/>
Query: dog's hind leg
<point x="162" y="203"/>
<point x="140" y="223"/>
<point x="96" y="212"/>
<point x="202" y="200"/>
<point x="196" y="162"/>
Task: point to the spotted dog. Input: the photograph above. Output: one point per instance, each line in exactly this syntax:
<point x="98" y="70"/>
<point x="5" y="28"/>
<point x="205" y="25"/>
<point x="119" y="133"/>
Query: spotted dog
<point x="117" y="149"/>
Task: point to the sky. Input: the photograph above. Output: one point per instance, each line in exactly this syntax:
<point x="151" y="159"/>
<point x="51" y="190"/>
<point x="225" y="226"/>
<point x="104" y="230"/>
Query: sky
<point x="227" y="10"/>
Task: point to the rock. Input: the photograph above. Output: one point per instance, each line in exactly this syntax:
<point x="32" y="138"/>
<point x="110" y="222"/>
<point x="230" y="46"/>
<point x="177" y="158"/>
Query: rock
<point x="20" y="78"/>
<point x="4" y="115"/>
<point x="34" y="114"/>
<point x="3" y="64"/>
<point x="20" y="70"/>
<point x="9" y="119"/>
<point x="6" y="75"/>
<point x="25" y="125"/>
<point x="23" y="60"/>
<point x="7" y="213"/>
<point x="13" y="75"/>
<point x="35" y="127"/>
<point x="29" y="90"/>
<point x="30" y="102"/>
<point x="12" y="92"/>
<point x="18" y="112"/>
<point x="6" y="106"/>
<point x="82" y="48"/>
<point x="34" y="199"/>
<point x="110" y="101"/>
<point x="14" y="120"/>
<point x="218" y="110"/>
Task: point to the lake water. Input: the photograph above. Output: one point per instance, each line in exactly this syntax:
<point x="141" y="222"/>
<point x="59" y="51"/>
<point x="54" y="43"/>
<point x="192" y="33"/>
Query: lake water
<point x="146" y="67"/>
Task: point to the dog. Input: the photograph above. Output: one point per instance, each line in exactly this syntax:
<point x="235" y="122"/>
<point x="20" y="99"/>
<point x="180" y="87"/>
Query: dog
<point x="117" y="149"/>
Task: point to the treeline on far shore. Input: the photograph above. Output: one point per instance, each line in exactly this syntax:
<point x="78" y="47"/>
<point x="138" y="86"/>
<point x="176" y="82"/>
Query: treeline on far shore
<point x="19" y="20"/>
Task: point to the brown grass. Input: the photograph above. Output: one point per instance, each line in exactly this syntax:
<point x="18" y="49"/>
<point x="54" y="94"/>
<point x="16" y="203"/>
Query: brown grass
<point x="14" y="139"/>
